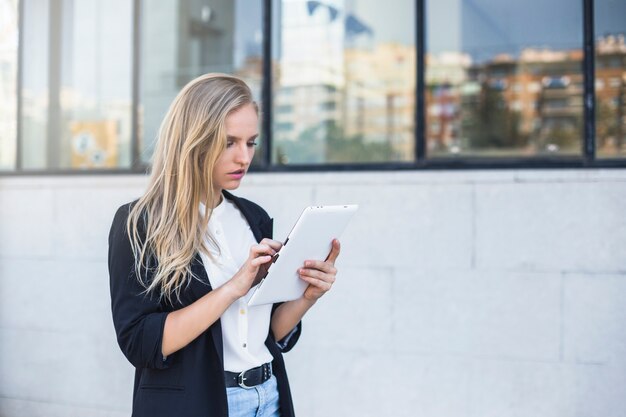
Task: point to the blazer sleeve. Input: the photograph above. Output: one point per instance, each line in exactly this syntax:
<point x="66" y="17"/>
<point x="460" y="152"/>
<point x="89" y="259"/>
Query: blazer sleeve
<point x="288" y="342"/>
<point x="138" y="318"/>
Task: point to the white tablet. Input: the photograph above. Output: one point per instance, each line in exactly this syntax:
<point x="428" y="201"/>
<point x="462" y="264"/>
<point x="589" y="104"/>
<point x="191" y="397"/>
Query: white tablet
<point x="310" y="238"/>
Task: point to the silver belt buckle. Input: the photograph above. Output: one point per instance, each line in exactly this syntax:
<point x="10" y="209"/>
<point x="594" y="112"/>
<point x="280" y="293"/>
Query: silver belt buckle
<point x="240" y="381"/>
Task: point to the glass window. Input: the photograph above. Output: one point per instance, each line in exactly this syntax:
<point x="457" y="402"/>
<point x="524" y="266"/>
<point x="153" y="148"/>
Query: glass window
<point x="183" y="39"/>
<point x="76" y="92"/>
<point x="504" y="78"/>
<point x="346" y="70"/>
<point x="610" y="64"/>
<point x="8" y="82"/>
<point x="34" y="89"/>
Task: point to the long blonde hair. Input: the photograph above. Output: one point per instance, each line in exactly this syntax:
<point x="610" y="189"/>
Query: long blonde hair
<point x="191" y="138"/>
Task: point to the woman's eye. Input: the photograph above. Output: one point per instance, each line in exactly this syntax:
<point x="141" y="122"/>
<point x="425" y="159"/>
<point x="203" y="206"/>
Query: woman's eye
<point x="251" y="144"/>
<point x="229" y="144"/>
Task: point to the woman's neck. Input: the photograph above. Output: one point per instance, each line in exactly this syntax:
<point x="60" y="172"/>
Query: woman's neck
<point x="214" y="202"/>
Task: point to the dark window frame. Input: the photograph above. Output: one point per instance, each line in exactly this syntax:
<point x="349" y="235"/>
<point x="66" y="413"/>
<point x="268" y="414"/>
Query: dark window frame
<point x="587" y="159"/>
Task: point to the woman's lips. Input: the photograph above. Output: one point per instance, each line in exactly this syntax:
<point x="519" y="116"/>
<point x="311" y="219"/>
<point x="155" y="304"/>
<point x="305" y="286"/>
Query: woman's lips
<point x="236" y="174"/>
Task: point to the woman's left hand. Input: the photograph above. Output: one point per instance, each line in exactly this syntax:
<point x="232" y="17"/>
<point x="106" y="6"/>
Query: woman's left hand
<point x="320" y="275"/>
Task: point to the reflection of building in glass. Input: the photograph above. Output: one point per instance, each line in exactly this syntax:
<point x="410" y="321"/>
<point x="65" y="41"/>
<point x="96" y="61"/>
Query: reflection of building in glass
<point x="310" y="74"/>
<point x="300" y="108"/>
<point x="611" y="93"/>
<point x="551" y="99"/>
<point x="338" y="94"/>
<point x="344" y="76"/>
<point x="532" y="102"/>
<point x="446" y="80"/>
<point x="379" y="102"/>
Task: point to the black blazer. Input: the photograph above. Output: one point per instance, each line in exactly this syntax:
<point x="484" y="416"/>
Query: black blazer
<point x="190" y="382"/>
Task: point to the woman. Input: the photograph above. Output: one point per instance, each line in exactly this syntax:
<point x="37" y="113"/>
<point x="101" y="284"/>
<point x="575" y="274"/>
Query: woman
<point x="182" y="259"/>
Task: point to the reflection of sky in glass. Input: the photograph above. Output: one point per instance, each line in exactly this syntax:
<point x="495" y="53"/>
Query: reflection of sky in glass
<point x="477" y="26"/>
<point x="249" y="32"/>
<point x="610" y="16"/>
<point x="387" y="23"/>
<point x="507" y="27"/>
<point x="315" y="35"/>
<point x="484" y="28"/>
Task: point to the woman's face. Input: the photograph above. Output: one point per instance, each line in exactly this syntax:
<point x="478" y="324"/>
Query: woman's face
<point x="242" y="129"/>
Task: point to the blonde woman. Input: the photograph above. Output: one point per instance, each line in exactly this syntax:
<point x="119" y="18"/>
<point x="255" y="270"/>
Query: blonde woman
<point x="183" y="257"/>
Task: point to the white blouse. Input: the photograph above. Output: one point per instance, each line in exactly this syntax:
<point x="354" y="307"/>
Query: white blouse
<point x="244" y="329"/>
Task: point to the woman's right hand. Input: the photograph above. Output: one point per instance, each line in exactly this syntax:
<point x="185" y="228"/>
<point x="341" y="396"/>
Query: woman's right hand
<point x="255" y="267"/>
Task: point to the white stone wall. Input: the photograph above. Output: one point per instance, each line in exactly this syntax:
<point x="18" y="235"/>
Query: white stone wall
<point x="460" y="294"/>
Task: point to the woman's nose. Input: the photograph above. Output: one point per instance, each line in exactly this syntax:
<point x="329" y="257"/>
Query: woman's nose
<point x="242" y="156"/>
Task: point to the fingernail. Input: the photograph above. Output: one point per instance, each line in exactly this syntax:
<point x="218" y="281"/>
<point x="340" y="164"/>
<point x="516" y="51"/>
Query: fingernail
<point x="307" y="263"/>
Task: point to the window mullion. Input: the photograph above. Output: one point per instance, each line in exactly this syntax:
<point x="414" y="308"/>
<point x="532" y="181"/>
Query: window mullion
<point x="54" y="141"/>
<point x="136" y="163"/>
<point x="420" y="44"/>
<point x="266" y="91"/>
<point x="589" y="146"/>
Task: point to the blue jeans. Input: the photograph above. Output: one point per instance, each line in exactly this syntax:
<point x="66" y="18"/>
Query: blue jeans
<point x="259" y="401"/>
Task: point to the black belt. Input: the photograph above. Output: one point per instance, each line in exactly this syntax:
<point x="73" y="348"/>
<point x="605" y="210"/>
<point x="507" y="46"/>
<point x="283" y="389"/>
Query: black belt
<point x="249" y="378"/>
